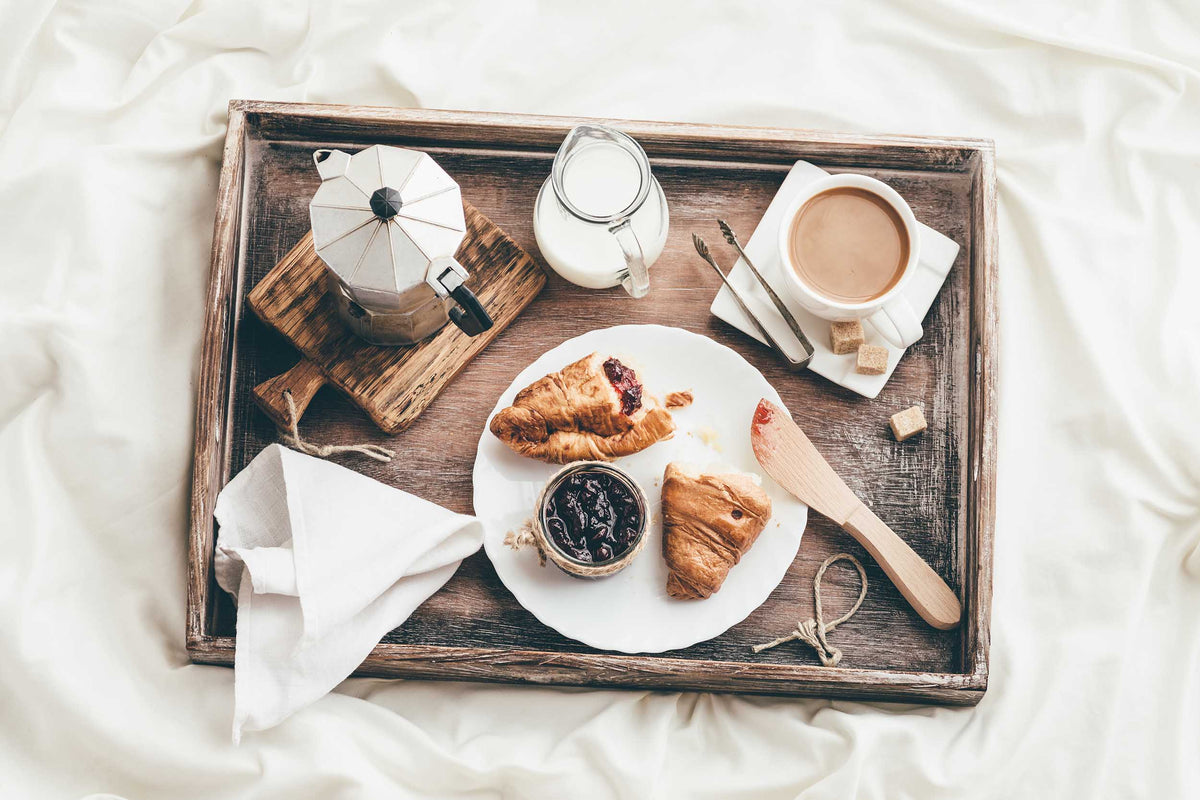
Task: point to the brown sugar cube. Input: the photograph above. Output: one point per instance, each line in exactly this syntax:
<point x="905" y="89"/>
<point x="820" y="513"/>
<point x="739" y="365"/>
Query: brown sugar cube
<point x="872" y="360"/>
<point x="845" y="337"/>
<point x="907" y="423"/>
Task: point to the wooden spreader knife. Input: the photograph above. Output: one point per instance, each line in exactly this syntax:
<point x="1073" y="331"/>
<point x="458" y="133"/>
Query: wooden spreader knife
<point x="790" y="458"/>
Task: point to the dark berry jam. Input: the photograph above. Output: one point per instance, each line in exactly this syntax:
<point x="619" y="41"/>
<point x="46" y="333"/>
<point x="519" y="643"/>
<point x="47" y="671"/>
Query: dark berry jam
<point x="625" y="381"/>
<point x="593" y="517"/>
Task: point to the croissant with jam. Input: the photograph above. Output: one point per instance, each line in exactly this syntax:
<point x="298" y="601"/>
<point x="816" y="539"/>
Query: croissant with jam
<point x="593" y="409"/>
<point x="709" y="522"/>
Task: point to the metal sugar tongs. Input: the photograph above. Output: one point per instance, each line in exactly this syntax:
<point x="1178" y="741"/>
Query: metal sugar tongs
<point x="805" y="344"/>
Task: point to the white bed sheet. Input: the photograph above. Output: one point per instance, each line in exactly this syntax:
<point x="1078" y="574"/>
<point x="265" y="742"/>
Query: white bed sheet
<point x="111" y="122"/>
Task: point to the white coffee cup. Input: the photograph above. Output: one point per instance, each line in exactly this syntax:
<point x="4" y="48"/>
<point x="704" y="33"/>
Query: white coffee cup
<point x="890" y="313"/>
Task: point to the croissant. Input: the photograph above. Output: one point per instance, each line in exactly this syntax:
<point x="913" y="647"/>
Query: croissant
<point x="709" y="522"/>
<point x="591" y="410"/>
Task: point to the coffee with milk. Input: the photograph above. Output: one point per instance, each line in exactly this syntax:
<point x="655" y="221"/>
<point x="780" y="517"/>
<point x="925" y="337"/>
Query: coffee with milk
<point x="848" y="244"/>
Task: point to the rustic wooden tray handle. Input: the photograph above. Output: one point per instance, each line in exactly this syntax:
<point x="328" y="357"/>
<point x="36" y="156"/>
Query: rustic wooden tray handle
<point x="916" y="580"/>
<point x="302" y="380"/>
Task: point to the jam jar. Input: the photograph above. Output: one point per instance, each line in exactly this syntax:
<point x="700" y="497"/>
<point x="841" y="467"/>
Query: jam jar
<point x="591" y="519"/>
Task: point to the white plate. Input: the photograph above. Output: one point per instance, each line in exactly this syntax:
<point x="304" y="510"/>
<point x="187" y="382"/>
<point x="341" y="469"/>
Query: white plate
<point x="630" y="612"/>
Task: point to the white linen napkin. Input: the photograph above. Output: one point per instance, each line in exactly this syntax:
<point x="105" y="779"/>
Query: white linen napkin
<point x="322" y="562"/>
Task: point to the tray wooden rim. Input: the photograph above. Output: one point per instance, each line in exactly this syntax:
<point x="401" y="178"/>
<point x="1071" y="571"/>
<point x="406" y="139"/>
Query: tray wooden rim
<point x="779" y="145"/>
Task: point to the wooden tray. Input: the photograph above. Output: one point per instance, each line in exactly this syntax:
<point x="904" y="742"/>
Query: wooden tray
<point x="936" y="491"/>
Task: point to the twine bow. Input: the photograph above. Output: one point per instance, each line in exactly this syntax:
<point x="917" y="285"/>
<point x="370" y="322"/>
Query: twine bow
<point x="812" y="632"/>
<point x="525" y="537"/>
<point x="291" y="437"/>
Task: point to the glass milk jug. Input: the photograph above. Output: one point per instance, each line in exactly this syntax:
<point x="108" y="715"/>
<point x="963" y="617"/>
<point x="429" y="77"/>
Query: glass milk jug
<point x="601" y="218"/>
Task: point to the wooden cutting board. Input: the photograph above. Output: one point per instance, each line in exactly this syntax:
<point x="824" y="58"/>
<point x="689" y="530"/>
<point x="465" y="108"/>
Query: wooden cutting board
<point x="393" y="385"/>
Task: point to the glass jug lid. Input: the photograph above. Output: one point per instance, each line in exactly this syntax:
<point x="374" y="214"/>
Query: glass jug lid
<point x="600" y="175"/>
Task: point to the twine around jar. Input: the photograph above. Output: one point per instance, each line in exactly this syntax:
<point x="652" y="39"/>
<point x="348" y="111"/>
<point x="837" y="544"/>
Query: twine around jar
<point x="525" y="537"/>
<point x="812" y="632"/>
<point x="291" y="437"/>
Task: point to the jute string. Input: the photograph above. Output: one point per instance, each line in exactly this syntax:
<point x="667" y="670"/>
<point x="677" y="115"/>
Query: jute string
<point x="812" y="632"/>
<point x="291" y="437"/>
<point x="525" y="537"/>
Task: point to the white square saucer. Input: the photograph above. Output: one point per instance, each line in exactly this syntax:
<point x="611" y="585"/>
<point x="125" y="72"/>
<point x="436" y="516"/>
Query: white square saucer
<point x="937" y="256"/>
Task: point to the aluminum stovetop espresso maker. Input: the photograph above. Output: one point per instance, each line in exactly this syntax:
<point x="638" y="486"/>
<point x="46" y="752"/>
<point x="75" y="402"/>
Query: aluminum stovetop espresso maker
<point x="387" y="222"/>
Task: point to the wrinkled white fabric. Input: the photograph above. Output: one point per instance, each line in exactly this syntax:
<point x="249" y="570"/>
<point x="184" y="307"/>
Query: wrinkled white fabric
<point x="322" y="562"/>
<point x="111" y="121"/>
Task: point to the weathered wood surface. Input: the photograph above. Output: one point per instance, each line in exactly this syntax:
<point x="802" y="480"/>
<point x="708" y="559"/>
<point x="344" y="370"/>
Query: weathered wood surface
<point x="936" y="491"/>
<point x="393" y="385"/>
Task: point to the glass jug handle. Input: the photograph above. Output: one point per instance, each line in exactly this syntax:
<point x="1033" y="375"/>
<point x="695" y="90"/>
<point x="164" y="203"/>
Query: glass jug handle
<point x="637" y="282"/>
